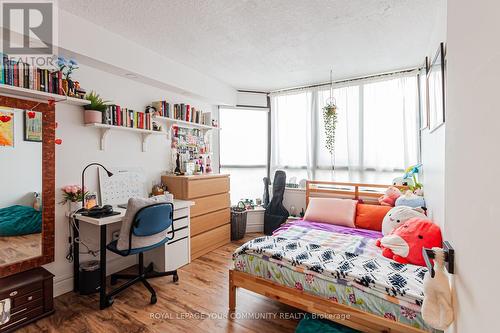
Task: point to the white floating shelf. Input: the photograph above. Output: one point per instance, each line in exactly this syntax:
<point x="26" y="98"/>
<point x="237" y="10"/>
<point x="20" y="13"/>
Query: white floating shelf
<point x="186" y="124"/>
<point x="41" y="96"/>
<point x="105" y="129"/>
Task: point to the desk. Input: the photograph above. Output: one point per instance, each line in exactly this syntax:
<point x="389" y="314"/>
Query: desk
<point x="181" y="212"/>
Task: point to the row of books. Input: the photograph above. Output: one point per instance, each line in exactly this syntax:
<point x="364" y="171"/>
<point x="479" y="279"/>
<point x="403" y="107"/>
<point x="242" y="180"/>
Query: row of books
<point x="183" y="112"/>
<point x="120" y="116"/>
<point x="19" y="74"/>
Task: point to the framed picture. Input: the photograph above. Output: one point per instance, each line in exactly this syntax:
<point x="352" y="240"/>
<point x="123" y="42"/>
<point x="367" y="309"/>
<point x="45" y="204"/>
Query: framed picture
<point x="423" y="95"/>
<point x="32" y="126"/>
<point x="436" y="89"/>
<point x="6" y="129"/>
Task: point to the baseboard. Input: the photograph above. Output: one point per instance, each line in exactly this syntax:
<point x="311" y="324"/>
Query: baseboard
<point x="65" y="284"/>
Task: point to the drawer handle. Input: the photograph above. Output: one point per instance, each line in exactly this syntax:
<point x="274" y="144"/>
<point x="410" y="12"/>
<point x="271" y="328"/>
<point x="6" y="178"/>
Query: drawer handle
<point x="11" y="324"/>
<point x="30" y="298"/>
<point x="14" y="293"/>
<point x="18" y="312"/>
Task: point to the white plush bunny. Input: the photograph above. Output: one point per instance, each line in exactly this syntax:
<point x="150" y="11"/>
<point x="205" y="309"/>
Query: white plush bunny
<point x="437" y="310"/>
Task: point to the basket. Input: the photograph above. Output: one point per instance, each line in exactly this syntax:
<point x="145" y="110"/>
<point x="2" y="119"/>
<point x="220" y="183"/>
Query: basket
<point x="238" y="223"/>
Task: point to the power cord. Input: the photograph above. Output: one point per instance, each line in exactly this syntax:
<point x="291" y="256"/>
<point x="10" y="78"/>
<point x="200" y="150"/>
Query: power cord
<point x="72" y="239"/>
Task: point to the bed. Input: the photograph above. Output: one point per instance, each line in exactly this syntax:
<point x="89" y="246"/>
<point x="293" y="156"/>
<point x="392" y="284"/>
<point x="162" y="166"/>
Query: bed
<point x="333" y="271"/>
<point x="20" y="220"/>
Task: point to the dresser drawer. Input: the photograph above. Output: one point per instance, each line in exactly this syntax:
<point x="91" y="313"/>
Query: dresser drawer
<point x="22" y="290"/>
<point x="210" y="240"/>
<point x="19" y="318"/>
<point x="28" y="297"/>
<point x="210" y="221"/>
<point x="209" y="204"/>
<point x="202" y="187"/>
<point x="179" y="213"/>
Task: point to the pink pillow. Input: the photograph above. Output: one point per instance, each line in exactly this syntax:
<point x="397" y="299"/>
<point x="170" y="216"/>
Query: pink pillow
<point x="332" y="210"/>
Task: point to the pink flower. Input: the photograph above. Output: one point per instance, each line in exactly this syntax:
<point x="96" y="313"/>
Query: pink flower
<point x="352" y="298"/>
<point x="333" y="298"/>
<point x="67" y="188"/>
<point x="309" y="278"/>
<point x="390" y="316"/>
<point x="298" y="286"/>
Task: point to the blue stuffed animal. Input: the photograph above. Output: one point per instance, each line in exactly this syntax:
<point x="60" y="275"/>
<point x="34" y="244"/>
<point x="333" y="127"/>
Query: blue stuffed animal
<point x="410" y="199"/>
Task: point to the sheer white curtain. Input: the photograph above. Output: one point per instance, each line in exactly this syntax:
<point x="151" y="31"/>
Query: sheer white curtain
<point x="377" y="128"/>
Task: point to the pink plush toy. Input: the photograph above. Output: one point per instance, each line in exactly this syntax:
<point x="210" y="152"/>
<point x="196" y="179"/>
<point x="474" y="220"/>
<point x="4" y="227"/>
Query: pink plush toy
<point x="390" y="196"/>
<point x="404" y="244"/>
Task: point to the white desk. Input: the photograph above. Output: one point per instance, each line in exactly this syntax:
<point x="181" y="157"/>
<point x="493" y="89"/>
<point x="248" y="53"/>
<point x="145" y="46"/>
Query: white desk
<point x="168" y="257"/>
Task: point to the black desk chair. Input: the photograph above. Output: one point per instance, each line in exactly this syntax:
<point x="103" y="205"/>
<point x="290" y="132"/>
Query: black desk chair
<point x="148" y="221"/>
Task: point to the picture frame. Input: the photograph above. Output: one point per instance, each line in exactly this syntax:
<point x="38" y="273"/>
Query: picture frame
<point x="7" y="135"/>
<point x="436" y="89"/>
<point x="423" y="95"/>
<point x="33" y="126"/>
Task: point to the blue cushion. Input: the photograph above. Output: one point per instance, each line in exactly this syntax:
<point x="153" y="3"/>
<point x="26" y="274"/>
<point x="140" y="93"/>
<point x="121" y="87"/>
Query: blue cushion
<point x="112" y="247"/>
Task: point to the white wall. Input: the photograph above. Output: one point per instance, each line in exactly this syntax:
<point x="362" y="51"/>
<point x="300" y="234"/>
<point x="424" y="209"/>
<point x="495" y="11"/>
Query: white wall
<point x="20" y="167"/>
<point x="81" y="146"/>
<point x="472" y="137"/>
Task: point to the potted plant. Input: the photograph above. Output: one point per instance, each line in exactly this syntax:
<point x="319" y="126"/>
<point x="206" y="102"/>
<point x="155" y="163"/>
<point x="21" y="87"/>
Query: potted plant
<point x="330" y="120"/>
<point x="93" y="111"/>
<point x="73" y="195"/>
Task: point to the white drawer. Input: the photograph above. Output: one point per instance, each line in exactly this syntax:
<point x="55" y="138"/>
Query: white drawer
<point x="183" y="212"/>
<point x="178" y="233"/>
<point x="177" y="251"/>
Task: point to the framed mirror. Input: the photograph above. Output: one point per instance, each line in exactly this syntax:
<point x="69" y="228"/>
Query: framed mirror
<point x="27" y="177"/>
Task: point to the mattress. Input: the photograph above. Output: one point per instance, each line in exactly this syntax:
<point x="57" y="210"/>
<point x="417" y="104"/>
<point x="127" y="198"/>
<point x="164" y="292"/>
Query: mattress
<point x="337" y="263"/>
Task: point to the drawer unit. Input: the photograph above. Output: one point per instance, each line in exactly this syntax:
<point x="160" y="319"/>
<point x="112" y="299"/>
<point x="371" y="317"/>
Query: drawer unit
<point x="210" y="214"/>
<point x="31" y="297"/>
<point x="209" y="221"/>
<point x="210" y="240"/>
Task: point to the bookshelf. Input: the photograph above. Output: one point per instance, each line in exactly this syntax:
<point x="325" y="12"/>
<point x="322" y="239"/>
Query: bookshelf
<point x="41" y="96"/>
<point x="106" y="129"/>
<point x="185" y="124"/>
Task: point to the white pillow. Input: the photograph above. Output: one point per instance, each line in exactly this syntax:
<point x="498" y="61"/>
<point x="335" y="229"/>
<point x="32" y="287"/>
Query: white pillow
<point x="332" y="210"/>
<point x="133" y="206"/>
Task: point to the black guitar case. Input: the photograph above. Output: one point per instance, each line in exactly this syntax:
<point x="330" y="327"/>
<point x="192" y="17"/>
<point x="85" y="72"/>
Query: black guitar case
<point x="276" y="213"/>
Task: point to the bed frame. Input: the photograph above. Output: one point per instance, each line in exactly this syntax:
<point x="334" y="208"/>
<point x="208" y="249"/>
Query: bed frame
<point x="343" y="314"/>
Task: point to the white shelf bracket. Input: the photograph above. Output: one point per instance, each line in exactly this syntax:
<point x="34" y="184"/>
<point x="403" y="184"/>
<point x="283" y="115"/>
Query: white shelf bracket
<point x="104" y="134"/>
<point x="145" y="142"/>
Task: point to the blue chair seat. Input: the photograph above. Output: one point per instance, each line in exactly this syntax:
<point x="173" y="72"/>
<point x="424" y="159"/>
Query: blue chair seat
<point x="112" y="247"/>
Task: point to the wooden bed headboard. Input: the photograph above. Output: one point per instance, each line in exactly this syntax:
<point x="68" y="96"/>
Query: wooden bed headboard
<point x="369" y="193"/>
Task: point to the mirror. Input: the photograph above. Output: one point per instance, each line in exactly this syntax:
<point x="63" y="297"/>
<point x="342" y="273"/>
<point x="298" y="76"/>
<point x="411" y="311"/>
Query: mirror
<point x="27" y="182"/>
<point x="21" y="196"/>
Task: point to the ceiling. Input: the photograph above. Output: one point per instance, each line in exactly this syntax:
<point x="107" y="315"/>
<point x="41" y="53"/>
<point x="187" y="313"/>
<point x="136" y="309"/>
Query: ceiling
<point x="266" y="45"/>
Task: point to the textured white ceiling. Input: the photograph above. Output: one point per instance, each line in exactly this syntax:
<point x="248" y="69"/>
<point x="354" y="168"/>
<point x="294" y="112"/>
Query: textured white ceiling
<point x="271" y="44"/>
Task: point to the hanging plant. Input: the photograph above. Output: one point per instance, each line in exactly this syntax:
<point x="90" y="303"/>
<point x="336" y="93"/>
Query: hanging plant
<point x="330" y="120"/>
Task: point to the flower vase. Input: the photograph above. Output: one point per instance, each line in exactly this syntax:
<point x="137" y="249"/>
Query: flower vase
<point x="73" y="206"/>
<point x="65" y="86"/>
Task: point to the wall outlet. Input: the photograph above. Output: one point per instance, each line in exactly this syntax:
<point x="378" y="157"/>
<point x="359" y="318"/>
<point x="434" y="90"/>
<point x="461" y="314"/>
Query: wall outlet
<point x="115" y="235"/>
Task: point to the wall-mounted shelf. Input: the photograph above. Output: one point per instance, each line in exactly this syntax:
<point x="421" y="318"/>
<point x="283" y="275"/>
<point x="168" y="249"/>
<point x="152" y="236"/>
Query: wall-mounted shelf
<point x="105" y="129"/>
<point x="186" y="124"/>
<point x="41" y="96"/>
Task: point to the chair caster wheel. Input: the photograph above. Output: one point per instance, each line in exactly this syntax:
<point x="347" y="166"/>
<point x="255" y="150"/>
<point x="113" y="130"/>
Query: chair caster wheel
<point x="176" y="278"/>
<point x="153" y="299"/>
<point x="110" y="301"/>
<point x="114" y="280"/>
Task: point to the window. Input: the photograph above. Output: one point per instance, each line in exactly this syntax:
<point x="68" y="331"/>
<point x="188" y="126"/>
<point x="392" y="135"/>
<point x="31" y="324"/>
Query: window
<point x="376" y="135"/>
<point x="243" y="150"/>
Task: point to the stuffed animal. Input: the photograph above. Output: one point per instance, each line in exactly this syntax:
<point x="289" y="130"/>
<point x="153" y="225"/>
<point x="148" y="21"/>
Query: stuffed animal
<point x="390" y="196"/>
<point x="401" y="181"/>
<point x="410" y="199"/>
<point x="404" y="244"/>
<point x="399" y="215"/>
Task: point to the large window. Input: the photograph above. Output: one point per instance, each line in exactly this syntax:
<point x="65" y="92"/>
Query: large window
<point x="243" y="150"/>
<point x="376" y="135"/>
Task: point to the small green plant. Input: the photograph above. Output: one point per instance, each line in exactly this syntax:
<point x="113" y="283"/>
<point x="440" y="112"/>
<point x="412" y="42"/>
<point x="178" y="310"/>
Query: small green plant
<point x="96" y="102"/>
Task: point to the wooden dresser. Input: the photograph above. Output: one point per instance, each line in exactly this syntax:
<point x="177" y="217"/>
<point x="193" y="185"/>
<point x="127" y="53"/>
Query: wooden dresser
<point x="210" y="215"/>
<point x="31" y="297"/>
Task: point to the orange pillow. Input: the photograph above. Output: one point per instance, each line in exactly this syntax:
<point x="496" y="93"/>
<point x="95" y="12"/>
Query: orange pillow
<point x="370" y="216"/>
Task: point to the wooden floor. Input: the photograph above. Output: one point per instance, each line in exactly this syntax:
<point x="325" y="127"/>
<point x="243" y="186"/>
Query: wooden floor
<point x="18" y="248"/>
<point x="197" y="304"/>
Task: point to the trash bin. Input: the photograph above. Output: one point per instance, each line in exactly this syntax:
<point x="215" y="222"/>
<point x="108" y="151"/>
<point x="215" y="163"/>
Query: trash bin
<point x="90" y="277"/>
<point x="238" y="222"/>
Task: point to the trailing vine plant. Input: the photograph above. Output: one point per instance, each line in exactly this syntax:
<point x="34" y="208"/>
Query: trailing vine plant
<point x="330" y="121"/>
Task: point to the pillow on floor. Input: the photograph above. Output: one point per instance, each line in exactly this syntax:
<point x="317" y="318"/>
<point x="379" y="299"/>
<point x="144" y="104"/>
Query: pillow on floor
<point x="133" y="206"/>
<point x="332" y="210"/>
<point x="370" y="216"/>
